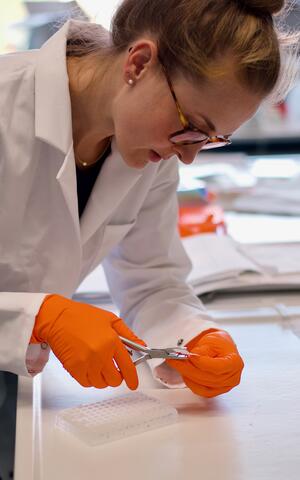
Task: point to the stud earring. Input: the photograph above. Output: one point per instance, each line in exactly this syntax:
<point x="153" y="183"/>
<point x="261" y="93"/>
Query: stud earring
<point x="130" y="81"/>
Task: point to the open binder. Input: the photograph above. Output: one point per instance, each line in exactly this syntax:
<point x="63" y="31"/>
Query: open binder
<point x="220" y="264"/>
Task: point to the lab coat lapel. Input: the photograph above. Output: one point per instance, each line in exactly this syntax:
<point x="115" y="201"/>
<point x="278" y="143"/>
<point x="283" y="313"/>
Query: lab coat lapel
<point x="66" y="178"/>
<point x="53" y="121"/>
<point x="112" y="185"/>
<point x="53" y="115"/>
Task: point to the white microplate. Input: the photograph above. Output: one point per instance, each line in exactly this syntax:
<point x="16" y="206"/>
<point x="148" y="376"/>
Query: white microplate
<point x="116" y="418"/>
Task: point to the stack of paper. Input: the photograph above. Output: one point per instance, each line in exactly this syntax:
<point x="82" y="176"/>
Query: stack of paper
<point x="268" y="266"/>
<point x="272" y="195"/>
<point x="221" y="264"/>
<point x="216" y="258"/>
<point x="269" y="200"/>
<point x="277" y="258"/>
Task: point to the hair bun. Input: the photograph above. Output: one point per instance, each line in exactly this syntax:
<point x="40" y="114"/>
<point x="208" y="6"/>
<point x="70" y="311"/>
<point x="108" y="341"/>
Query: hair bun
<point x="263" y="6"/>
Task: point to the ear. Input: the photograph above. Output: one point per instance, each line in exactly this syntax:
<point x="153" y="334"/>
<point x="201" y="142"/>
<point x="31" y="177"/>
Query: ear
<point x="140" y="57"/>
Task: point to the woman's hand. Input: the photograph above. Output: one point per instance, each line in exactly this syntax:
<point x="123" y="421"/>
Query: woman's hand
<point x="216" y="369"/>
<point x="86" y="341"/>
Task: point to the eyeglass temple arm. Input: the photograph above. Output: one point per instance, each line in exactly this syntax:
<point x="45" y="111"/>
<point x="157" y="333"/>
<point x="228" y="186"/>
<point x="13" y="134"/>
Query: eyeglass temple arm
<point x="183" y="120"/>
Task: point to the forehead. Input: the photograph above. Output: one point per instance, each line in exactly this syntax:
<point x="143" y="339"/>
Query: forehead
<point x="224" y="101"/>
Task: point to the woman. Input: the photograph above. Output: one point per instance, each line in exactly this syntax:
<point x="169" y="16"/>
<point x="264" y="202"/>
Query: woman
<point x="170" y="80"/>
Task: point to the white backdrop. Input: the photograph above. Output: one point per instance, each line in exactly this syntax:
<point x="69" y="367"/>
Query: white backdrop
<point x="100" y="11"/>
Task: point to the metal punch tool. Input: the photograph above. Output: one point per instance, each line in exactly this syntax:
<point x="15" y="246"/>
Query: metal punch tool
<point x="147" y="353"/>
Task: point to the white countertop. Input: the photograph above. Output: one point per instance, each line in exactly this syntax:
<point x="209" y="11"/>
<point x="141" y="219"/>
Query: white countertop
<point x="252" y="432"/>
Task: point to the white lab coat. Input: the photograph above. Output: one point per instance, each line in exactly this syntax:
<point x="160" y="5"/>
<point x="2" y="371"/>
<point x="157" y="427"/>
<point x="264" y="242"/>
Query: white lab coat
<point x="129" y="223"/>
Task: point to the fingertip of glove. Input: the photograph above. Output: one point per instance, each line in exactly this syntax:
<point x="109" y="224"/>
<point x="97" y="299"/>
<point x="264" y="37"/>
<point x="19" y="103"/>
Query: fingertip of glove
<point x="133" y="386"/>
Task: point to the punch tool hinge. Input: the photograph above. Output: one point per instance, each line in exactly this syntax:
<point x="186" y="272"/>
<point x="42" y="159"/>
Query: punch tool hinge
<point x="147" y="353"/>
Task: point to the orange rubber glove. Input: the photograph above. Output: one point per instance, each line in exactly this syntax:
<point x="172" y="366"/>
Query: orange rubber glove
<point x="218" y="367"/>
<point x="85" y="340"/>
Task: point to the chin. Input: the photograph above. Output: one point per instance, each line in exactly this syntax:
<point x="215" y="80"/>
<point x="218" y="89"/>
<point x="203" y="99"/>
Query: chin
<point x="138" y="163"/>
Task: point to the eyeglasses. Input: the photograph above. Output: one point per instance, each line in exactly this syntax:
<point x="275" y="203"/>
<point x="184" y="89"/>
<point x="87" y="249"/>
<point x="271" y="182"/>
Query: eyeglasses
<point x="190" y="134"/>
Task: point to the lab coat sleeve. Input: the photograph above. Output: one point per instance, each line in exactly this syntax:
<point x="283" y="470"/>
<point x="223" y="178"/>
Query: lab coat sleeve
<point x="147" y="273"/>
<point x="17" y="316"/>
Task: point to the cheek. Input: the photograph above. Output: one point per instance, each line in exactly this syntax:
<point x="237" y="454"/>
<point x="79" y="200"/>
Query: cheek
<point x="162" y="125"/>
<point x="140" y="128"/>
<point x="133" y="138"/>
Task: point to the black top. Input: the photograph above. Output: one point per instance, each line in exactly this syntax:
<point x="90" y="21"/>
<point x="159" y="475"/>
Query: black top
<point x="86" y="179"/>
<point x="8" y="408"/>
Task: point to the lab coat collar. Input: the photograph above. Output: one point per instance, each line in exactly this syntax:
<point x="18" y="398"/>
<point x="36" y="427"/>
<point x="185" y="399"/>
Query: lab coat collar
<point x="53" y="117"/>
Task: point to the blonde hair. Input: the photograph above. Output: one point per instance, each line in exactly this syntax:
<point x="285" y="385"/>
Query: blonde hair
<point x="194" y="36"/>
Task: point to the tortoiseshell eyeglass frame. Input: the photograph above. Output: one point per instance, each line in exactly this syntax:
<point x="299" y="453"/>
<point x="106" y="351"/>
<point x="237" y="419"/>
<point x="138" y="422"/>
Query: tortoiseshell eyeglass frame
<point x="208" y="142"/>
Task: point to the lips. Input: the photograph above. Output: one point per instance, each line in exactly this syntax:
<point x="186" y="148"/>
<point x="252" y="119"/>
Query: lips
<point x="154" y="156"/>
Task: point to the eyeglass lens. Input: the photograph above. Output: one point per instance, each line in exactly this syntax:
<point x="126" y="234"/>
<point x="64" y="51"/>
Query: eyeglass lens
<point x="190" y="138"/>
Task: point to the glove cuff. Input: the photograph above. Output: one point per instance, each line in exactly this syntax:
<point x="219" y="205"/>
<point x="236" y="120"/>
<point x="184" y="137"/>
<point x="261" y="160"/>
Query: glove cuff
<point x="50" y="310"/>
<point x="192" y="343"/>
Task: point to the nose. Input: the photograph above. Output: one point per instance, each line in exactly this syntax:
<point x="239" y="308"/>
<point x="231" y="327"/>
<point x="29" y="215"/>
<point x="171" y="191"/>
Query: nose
<point x="188" y="153"/>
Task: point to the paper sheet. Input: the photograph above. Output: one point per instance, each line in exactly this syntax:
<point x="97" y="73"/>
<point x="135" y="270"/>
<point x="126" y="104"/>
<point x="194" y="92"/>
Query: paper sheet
<point x="216" y="258"/>
<point x="221" y="264"/>
<point x="283" y="258"/>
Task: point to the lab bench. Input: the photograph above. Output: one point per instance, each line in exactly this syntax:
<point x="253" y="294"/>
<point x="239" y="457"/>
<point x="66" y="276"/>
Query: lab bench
<point x="252" y="432"/>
